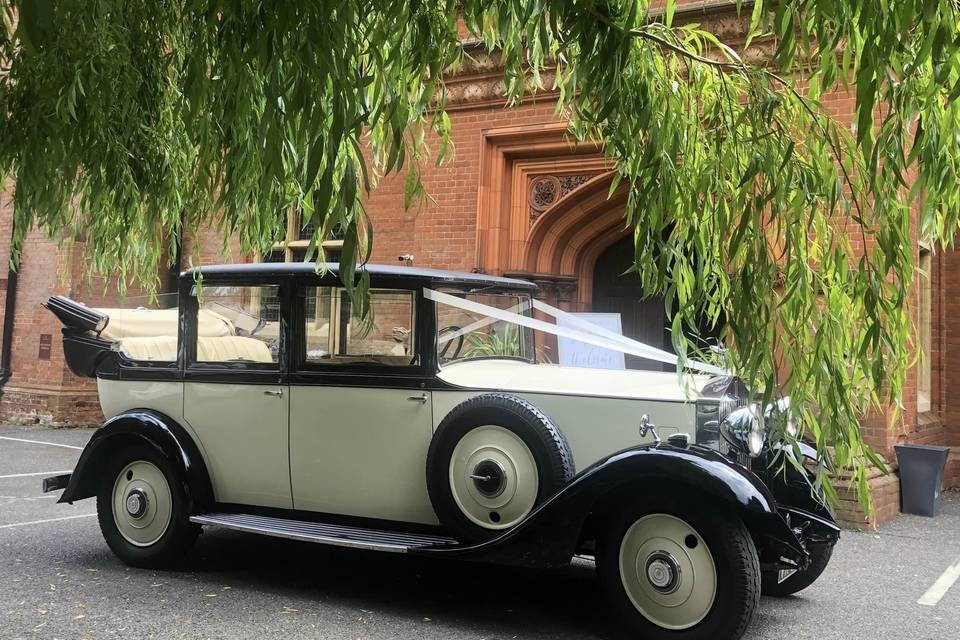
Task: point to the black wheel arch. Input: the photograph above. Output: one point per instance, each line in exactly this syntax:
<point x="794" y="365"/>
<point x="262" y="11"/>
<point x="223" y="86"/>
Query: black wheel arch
<point x="700" y="473"/>
<point x="154" y="429"/>
<point x="566" y="522"/>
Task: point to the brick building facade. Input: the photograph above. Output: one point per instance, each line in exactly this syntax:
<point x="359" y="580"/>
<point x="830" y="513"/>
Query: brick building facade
<point x="519" y="199"/>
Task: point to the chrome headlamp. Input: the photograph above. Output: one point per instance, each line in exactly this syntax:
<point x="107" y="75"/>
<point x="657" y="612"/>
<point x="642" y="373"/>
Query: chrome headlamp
<point x="743" y="429"/>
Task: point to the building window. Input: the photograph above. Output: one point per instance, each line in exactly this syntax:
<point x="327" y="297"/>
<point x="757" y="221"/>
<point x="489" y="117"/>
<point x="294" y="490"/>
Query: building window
<point x="924" y="329"/>
<point x="299" y="233"/>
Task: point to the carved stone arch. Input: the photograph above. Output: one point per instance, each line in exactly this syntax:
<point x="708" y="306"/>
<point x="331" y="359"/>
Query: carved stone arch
<point x="545" y="211"/>
<point x="568" y="237"/>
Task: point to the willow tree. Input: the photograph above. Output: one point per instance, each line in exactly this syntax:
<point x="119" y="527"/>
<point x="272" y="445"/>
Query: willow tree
<point x="135" y="121"/>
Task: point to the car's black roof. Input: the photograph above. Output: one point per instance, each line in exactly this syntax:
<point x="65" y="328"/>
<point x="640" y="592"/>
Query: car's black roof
<point x="378" y="272"/>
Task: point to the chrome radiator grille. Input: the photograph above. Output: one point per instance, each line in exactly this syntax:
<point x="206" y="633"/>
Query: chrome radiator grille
<point x="712" y="410"/>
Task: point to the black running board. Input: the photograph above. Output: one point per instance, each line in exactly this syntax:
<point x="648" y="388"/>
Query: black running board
<point x="323" y="533"/>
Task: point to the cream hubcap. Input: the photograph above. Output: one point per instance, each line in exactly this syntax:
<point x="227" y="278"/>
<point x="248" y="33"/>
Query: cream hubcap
<point x="667" y="571"/>
<point x="493" y="477"/>
<point x="142" y="503"/>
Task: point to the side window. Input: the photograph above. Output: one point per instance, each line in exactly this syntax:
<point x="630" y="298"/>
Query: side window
<point x="238" y="324"/>
<point x="335" y="336"/>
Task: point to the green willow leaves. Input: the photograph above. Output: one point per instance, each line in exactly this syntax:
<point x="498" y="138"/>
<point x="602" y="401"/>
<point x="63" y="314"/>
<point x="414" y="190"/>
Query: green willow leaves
<point x="126" y="123"/>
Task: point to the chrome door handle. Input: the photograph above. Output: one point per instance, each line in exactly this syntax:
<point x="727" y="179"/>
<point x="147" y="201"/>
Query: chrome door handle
<point x="278" y="393"/>
<point x="422" y="398"/>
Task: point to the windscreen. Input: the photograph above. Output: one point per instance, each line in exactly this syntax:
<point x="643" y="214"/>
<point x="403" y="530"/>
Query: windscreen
<point x="463" y="335"/>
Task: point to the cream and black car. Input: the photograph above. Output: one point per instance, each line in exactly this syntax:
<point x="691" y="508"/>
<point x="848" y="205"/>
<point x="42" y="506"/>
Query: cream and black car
<point x="431" y="425"/>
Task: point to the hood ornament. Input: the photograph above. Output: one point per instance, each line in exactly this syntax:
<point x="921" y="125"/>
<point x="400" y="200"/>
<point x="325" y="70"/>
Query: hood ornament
<point x="648" y="427"/>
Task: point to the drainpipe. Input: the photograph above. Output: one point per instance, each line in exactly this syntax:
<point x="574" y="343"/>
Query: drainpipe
<point x="9" y="311"/>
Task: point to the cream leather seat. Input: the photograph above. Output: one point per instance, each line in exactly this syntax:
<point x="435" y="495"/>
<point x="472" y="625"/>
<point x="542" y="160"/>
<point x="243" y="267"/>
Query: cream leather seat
<point x="226" y="348"/>
<point x="154" y="348"/>
<point x="215" y="349"/>
<point x="151" y="334"/>
<point x="148" y="323"/>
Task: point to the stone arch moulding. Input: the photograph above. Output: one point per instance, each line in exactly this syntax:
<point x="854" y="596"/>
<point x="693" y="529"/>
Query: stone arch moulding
<point x="513" y="160"/>
<point x="568" y="238"/>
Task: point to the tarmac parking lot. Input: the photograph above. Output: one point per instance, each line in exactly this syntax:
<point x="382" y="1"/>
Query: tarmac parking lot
<point x="58" y="579"/>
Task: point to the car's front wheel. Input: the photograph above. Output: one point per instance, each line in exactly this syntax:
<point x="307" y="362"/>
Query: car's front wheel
<point x="142" y="509"/>
<point x="677" y="570"/>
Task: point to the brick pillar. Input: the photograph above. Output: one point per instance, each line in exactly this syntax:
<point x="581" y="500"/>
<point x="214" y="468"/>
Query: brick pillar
<point x="41" y="388"/>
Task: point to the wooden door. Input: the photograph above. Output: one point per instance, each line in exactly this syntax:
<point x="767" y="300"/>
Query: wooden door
<point x="642" y="318"/>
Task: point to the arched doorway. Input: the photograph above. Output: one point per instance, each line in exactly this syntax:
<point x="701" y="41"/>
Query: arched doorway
<point x="578" y="243"/>
<point x="615" y="291"/>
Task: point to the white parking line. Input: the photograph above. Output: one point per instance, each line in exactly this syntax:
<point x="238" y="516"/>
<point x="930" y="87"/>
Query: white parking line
<point x="24" y="524"/>
<point x="38" y="473"/>
<point x="940" y="587"/>
<point x="49" y="444"/>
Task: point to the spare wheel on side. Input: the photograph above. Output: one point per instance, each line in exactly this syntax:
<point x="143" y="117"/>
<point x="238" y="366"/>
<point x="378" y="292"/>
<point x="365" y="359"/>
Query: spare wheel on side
<point x="493" y="459"/>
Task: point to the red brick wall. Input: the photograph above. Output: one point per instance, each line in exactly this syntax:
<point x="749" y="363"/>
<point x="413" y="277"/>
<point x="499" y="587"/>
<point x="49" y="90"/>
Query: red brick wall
<point x="207" y="247"/>
<point x="43" y="390"/>
<point x="949" y="322"/>
<point x="442" y="233"/>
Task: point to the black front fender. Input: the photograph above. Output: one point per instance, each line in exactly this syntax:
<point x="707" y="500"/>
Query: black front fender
<point x="793" y="487"/>
<point x="147" y="427"/>
<point x="552" y="533"/>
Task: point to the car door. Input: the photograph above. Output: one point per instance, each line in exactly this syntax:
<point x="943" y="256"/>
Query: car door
<point x="360" y="416"/>
<point x="236" y="396"/>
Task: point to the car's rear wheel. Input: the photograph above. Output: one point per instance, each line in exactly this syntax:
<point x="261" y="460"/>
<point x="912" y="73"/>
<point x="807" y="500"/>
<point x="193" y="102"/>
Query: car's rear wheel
<point x="142" y="509"/>
<point x="493" y="459"/>
<point x="677" y="570"/>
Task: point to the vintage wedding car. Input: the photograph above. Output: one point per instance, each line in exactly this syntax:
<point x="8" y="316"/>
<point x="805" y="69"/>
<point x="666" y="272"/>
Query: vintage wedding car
<point x="264" y="404"/>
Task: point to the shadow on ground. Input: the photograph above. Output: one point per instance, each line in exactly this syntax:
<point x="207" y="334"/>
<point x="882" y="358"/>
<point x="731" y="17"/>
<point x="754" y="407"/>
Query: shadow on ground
<point x="509" y="602"/>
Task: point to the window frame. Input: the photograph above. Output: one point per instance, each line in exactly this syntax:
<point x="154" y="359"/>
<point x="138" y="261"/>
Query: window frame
<point x="528" y="342"/>
<point x="337" y="341"/>
<point x="301" y="365"/>
<point x="295" y="242"/>
<point x="255" y="372"/>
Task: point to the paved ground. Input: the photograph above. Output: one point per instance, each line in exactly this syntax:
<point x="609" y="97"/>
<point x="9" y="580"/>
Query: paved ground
<point x="59" y="580"/>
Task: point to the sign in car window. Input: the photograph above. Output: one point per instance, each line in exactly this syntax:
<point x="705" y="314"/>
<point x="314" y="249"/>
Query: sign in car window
<point x="574" y="353"/>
